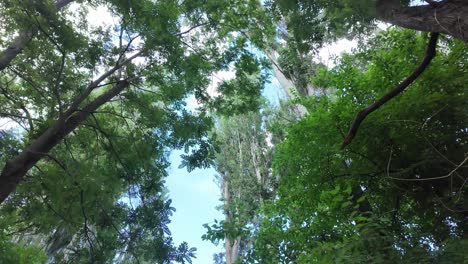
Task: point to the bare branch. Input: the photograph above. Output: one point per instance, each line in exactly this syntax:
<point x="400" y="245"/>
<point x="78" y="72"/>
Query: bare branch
<point x="432" y="178"/>
<point x="447" y="17"/>
<point x="42" y="93"/>
<point x="192" y="28"/>
<point x="57" y="84"/>
<point x="85" y="225"/>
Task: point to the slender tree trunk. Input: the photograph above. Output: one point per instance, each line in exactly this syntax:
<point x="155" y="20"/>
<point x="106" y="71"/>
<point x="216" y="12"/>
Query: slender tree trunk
<point x="448" y="17"/>
<point x="254" y="149"/>
<point x="231" y="246"/>
<point x="232" y="250"/>
<point x="18" y="43"/>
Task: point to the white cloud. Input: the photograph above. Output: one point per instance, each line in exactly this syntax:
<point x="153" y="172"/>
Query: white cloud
<point x="328" y="52"/>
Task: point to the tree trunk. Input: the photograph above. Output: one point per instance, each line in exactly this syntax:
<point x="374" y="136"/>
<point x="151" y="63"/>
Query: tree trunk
<point x="286" y="84"/>
<point x="448" y="17"/>
<point x="16" y="168"/>
<point x="232" y="250"/>
<point x="231" y="246"/>
<point x="18" y="43"/>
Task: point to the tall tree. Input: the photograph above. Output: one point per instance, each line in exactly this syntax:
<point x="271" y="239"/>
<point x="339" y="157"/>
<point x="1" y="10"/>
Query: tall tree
<point x="311" y="24"/>
<point x="243" y="161"/>
<point x="98" y="108"/>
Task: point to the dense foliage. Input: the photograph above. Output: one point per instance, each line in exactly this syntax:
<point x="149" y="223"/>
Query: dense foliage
<point x="398" y="193"/>
<point x="90" y="111"/>
<point x="96" y="109"/>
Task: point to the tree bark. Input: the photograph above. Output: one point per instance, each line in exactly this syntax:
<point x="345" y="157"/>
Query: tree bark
<point x="16" y="168"/>
<point x="18" y="43"/>
<point x="286" y="84"/>
<point x="448" y="17"/>
<point x="231" y="246"/>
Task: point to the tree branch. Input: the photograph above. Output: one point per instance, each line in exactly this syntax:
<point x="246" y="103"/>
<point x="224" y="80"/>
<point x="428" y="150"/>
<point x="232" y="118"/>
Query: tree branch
<point x="430" y="54"/>
<point x="16" y="168"/>
<point x="80" y="98"/>
<point x="448" y="16"/>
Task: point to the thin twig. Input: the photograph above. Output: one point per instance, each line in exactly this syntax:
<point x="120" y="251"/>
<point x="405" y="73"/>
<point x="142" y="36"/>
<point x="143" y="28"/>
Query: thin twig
<point x="433" y="178"/>
<point x="192" y="28"/>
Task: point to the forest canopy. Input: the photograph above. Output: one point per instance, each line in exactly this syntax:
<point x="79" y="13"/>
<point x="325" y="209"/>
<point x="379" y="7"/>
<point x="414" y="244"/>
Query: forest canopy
<point x="365" y="162"/>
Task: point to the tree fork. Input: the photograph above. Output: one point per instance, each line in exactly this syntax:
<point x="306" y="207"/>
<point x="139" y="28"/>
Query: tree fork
<point x="430" y="54"/>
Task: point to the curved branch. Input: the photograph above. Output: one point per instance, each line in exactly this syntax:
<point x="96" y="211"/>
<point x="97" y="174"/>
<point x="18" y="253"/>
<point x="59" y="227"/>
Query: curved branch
<point x="430" y="54"/>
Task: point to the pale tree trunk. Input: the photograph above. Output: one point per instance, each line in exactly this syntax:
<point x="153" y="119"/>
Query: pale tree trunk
<point x="256" y="165"/>
<point x="286" y="84"/>
<point x="448" y="17"/>
<point x="231" y="246"/>
<point x="255" y="158"/>
<point x="284" y="81"/>
<point x="18" y="43"/>
<point x="232" y="250"/>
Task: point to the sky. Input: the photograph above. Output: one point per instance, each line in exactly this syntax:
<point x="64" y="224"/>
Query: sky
<point x="195" y="196"/>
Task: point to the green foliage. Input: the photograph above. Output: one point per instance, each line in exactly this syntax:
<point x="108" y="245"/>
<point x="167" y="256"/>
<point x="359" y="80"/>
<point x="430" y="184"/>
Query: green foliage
<point x="98" y="196"/>
<point x="396" y="194"/>
<point x="298" y="67"/>
<point x="313" y="23"/>
<point x="243" y="161"/>
<point x="12" y="253"/>
<point x="241" y="94"/>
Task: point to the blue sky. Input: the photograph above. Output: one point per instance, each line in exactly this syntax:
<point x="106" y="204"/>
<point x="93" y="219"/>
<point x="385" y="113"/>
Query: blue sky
<point x="195" y="196"/>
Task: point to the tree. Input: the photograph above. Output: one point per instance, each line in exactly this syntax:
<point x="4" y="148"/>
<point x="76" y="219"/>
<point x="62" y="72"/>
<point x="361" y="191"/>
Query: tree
<point x="243" y="161"/>
<point x="445" y="17"/>
<point x="315" y="22"/>
<point x="242" y="164"/>
<point x="98" y="108"/>
<point x="395" y="194"/>
<point x="159" y="40"/>
<point x="17" y="45"/>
